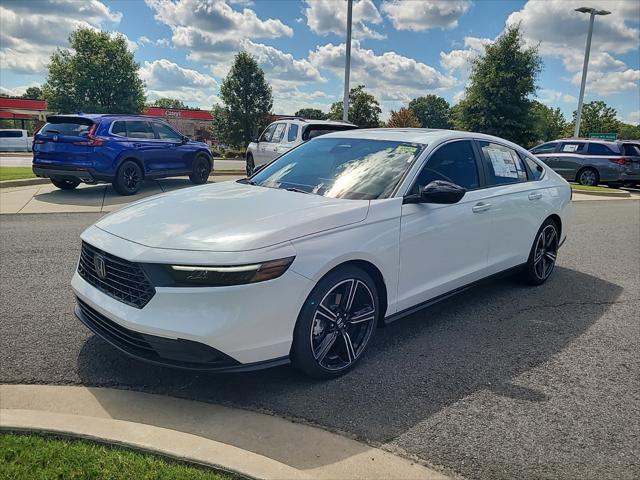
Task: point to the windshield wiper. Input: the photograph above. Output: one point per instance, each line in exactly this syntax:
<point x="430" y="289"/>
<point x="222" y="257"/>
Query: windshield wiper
<point x="246" y="181"/>
<point x="294" y="189"/>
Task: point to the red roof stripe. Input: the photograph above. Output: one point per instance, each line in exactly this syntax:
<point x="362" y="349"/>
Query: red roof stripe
<point x="19" y="103"/>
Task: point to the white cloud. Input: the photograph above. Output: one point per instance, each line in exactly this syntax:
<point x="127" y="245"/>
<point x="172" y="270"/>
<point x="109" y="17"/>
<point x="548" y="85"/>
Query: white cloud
<point x="26" y="29"/>
<point x="458" y="96"/>
<point x="160" y="42"/>
<point x="390" y="77"/>
<point x="551" y="96"/>
<point x="561" y="32"/>
<point x="425" y="14"/>
<point x="164" y="78"/>
<point x="15" y="91"/>
<point x="330" y="16"/>
<point x="633" y="118"/>
<point x="460" y="60"/>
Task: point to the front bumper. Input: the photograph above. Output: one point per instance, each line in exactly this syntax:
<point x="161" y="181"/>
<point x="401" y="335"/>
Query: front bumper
<point x="212" y="328"/>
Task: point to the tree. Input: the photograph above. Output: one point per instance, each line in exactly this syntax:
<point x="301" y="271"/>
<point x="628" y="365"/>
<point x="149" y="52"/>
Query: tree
<point x="220" y="124"/>
<point x="311" y="114"/>
<point x="627" y="131"/>
<point x="247" y="100"/>
<point x="403" y="118"/>
<point x="168" y="103"/>
<point x="549" y="123"/>
<point x="432" y="111"/>
<point x="597" y="117"/>
<point x="364" y="109"/>
<point x="502" y="80"/>
<point x="33" y="93"/>
<point x="98" y="75"/>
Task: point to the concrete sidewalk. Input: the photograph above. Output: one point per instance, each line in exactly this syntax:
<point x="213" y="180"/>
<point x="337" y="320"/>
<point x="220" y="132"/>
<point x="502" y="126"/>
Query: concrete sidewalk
<point x="47" y="198"/>
<point x="248" y="443"/>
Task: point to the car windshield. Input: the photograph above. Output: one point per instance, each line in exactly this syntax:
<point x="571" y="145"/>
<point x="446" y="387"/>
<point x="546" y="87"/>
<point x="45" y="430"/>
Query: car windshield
<point x="351" y="168"/>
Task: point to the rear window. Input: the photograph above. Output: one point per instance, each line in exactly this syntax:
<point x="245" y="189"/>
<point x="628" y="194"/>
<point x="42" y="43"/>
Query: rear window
<point x="599" y="149"/>
<point x="313" y="131"/>
<point x="73" y="127"/>
<point x="10" y="134"/>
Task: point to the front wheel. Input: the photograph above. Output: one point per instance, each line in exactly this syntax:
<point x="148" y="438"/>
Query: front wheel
<point x="200" y="171"/>
<point x="65" y="184"/>
<point x="543" y="255"/>
<point x="128" y="179"/>
<point x="250" y="165"/>
<point x="336" y="323"/>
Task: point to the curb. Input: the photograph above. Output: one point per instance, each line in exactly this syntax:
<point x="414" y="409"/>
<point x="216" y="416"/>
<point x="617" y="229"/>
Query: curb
<point x="613" y="193"/>
<point x="26" y="182"/>
<point x="247" y="443"/>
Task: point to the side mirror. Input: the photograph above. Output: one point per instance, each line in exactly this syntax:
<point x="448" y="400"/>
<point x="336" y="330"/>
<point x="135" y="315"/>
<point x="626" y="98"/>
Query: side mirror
<point x="438" y="191"/>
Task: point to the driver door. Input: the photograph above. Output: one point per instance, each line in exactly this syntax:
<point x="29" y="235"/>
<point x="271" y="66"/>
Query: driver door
<point x="261" y="155"/>
<point x="444" y="247"/>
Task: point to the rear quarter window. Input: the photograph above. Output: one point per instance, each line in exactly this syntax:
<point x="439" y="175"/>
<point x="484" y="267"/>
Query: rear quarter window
<point x="312" y="131"/>
<point x="600" y="149"/>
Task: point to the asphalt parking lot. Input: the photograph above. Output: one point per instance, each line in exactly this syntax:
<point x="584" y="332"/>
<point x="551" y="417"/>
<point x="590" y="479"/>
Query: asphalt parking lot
<point x="502" y="381"/>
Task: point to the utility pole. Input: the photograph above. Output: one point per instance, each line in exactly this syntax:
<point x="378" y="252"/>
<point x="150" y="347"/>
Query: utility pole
<point x="593" y="12"/>
<point x="347" y="64"/>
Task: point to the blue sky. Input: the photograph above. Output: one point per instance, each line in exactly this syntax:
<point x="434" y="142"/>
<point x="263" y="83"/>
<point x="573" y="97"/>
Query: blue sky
<point x="402" y="48"/>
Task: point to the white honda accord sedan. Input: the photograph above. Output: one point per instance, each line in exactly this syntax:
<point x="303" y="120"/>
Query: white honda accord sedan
<point x="300" y="262"/>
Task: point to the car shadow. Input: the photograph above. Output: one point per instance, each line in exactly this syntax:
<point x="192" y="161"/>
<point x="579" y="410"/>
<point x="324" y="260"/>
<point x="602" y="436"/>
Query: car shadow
<point x="481" y="339"/>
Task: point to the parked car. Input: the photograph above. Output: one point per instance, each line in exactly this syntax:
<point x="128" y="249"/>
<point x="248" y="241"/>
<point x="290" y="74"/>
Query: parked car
<point x="592" y="162"/>
<point x="15" y="140"/>
<point x="282" y="135"/>
<point x="121" y="149"/>
<point x="306" y="257"/>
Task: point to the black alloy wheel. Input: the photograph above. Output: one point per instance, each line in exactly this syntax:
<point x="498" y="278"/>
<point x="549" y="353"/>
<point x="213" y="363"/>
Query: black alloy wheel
<point x="544" y="253"/>
<point x="200" y="171"/>
<point x="129" y="178"/>
<point x="336" y="323"/>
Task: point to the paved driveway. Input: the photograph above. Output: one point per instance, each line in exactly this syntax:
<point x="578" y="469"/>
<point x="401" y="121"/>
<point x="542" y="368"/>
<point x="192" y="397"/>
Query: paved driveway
<point x="502" y="381"/>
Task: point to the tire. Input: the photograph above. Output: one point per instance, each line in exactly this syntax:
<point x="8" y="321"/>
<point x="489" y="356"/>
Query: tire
<point x="250" y="165"/>
<point x="129" y="178"/>
<point x="65" y="184"/>
<point x="201" y="169"/>
<point x="543" y="255"/>
<point x="330" y="336"/>
<point x="588" y="176"/>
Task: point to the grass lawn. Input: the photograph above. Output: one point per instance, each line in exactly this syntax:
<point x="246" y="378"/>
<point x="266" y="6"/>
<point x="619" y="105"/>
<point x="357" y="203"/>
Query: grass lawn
<point x="15" y="173"/>
<point x="36" y="457"/>
<point x="576" y="188"/>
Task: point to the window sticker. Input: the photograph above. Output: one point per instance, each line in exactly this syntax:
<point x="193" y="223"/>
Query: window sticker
<point x="570" y="147"/>
<point x="406" y="149"/>
<point x="504" y="165"/>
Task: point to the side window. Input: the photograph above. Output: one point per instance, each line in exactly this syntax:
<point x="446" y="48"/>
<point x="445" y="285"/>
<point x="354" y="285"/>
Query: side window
<point x="139" y="129"/>
<point x="293" y="132"/>
<point x="278" y="133"/>
<point x="631" y="150"/>
<point x="266" y="135"/>
<point x="503" y="165"/>
<point x="165" y="132"/>
<point x="599" y="149"/>
<point x="572" y="147"/>
<point x="535" y="169"/>
<point x="545" y="148"/>
<point x="10" y="134"/>
<point x="453" y="162"/>
<point x="119" y="128"/>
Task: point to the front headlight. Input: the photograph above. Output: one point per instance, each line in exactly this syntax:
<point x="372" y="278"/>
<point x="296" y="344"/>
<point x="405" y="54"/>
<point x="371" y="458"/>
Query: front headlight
<point x="218" y="276"/>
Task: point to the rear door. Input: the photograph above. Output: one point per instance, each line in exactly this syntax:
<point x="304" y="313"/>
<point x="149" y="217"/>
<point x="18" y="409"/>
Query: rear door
<point x="63" y="141"/>
<point x="143" y="140"/>
<point x="11" y="140"/>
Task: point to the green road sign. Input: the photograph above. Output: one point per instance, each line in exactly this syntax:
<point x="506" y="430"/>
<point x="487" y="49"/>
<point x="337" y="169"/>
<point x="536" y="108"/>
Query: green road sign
<point x="604" y="136"/>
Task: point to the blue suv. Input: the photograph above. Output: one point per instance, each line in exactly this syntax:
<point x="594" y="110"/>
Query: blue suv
<point x="121" y="149"/>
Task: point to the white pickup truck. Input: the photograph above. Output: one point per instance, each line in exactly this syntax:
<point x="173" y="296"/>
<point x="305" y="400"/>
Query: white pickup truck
<point x="15" y="140"/>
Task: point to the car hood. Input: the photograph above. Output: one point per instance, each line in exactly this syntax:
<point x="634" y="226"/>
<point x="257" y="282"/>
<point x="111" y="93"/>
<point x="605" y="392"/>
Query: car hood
<point x="230" y="217"/>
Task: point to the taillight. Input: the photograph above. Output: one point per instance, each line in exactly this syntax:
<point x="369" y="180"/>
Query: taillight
<point x="38" y="141"/>
<point x="93" y="141"/>
<point x="621" y="160"/>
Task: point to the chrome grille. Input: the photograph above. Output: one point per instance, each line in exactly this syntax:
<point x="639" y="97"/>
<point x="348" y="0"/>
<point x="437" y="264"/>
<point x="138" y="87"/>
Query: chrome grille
<point x="118" y="278"/>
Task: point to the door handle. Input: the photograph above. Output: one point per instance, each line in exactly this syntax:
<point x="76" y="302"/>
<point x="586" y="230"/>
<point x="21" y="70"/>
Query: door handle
<point x="535" y="196"/>
<point x="137" y="145"/>
<point x="481" y="207"/>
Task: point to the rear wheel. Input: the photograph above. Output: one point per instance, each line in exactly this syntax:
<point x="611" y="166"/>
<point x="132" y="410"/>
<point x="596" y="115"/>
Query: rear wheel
<point x="588" y="176"/>
<point x="129" y="178"/>
<point x="200" y="171"/>
<point x="543" y="255"/>
<point x="335" y="324"/>
<point x="250" y="165"/>
<point x="65" y="184"/>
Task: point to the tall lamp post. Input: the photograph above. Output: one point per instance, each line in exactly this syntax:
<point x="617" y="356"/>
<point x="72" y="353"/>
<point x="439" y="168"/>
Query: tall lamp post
<point x="593" y="12"/>
<point x="347" y="64"/>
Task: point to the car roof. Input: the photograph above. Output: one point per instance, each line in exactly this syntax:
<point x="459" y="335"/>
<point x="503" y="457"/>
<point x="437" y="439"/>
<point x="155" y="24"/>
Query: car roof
<point x="310" y="121"/>
<point x="415" y="135"/>
<point x="98" y="116"/>
<point x="586" y="140"/>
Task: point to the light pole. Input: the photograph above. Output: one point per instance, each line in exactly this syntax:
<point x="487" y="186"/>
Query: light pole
<point x="347" y="64"/>
<point x="587" y="50"/>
